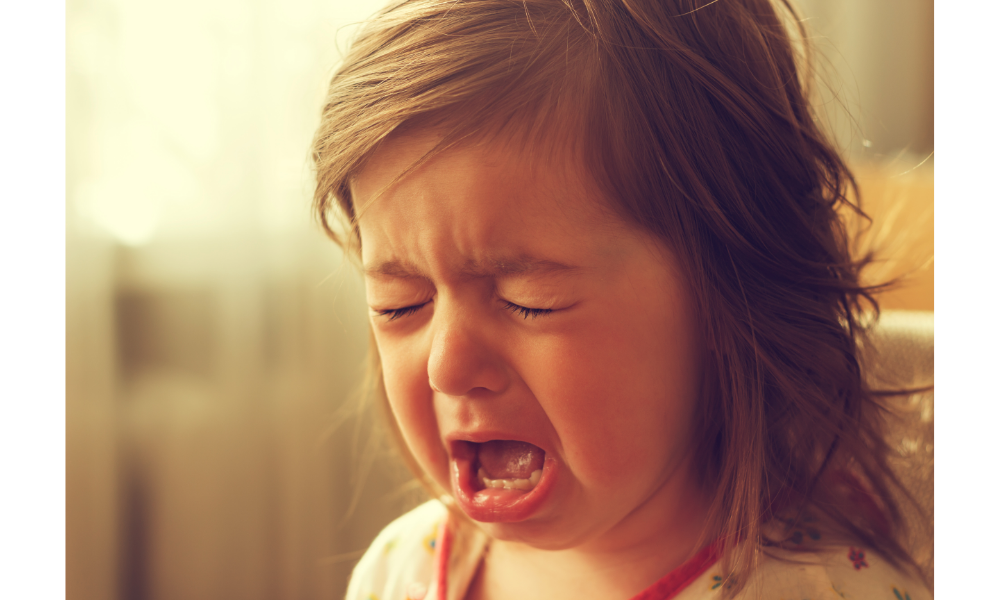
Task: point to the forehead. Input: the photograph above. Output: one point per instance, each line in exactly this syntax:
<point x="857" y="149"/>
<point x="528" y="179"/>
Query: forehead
<point x="482" y="201"/>
<point x="497" y="163"/>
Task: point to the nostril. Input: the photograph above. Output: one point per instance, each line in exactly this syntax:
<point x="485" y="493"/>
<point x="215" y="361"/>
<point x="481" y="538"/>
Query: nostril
<point x="458" y="365"/>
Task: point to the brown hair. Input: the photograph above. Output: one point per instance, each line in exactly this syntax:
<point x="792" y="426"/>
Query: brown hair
<point x="696" y="123"/>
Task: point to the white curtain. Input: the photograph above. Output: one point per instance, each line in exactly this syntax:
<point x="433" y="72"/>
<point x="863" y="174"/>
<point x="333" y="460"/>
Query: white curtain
<point x="214" y="336"/>
<point x="878" y="57"/>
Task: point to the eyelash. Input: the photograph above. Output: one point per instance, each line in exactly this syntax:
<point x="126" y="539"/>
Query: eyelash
<point x="526" y="312"/>
<point x="396" y="313"/>
<point x="522" y="311"/>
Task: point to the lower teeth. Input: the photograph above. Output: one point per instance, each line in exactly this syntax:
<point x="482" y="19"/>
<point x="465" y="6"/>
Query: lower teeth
<point x="511" y="484"/>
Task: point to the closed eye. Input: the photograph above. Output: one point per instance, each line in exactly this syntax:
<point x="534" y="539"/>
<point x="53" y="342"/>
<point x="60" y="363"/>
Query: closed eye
<point x="396" y="313"/>
<point x="526" y="312"/>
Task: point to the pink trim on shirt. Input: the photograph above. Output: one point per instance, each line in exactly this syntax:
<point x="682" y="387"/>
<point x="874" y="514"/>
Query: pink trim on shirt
<point x="441" y="554"/>
<point x="665" y="588"/>
<point x="675" y="581"/>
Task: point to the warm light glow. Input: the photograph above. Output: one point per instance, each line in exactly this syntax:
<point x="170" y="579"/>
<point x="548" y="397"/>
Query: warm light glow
<point x="135" y="180"/>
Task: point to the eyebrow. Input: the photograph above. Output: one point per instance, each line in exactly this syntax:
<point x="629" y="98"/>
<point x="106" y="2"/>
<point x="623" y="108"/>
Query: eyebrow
<point x="491" y="267"/>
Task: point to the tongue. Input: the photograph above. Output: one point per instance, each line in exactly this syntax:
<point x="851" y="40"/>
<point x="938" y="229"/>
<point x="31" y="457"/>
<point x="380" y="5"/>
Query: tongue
<point x="506" y="459"/>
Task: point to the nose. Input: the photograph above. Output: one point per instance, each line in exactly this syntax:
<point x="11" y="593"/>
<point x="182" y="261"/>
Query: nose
<point x="463" y="359"/>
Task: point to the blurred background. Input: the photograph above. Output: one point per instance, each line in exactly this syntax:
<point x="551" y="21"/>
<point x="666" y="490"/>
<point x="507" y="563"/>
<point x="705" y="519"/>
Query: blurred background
<point x="215" y="338"/>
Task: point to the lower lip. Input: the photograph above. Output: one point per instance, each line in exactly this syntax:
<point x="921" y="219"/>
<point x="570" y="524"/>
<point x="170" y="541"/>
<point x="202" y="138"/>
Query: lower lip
<point x="493" y="505"/>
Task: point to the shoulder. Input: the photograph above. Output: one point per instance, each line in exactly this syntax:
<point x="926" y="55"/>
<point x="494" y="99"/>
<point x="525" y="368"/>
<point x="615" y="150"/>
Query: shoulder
<point x="835" y="572"/>
<point x="829" y="573"/>
<point x="401" y="555"/>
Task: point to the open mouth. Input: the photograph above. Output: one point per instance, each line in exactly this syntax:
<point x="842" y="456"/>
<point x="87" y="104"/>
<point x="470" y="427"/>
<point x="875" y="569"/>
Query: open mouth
<point x="500" y="480"/>
<point x="509" y="465"/>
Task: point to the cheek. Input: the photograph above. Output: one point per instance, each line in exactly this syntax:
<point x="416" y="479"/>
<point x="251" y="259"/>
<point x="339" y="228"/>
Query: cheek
<point x="618" y="396"/>
<point x="411" y="400"/>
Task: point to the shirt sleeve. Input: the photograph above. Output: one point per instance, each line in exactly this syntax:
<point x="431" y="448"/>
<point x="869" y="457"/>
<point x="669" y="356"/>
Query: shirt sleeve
<point x="399" y="563"/>
<point x="835" y="573"/>
<point x="823" y="573"/>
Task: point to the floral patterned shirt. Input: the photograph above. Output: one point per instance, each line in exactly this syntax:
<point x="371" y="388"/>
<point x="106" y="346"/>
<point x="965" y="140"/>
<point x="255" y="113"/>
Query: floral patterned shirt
<point x="415" y="558"/>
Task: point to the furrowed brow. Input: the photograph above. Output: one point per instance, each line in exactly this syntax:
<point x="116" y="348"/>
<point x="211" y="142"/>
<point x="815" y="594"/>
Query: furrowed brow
<point x="511" y="267"/>
<point x="395" y="269"/>
<point x="498" y="268"/>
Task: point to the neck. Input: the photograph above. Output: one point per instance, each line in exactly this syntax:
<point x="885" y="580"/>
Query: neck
<point x="640" y="549"/>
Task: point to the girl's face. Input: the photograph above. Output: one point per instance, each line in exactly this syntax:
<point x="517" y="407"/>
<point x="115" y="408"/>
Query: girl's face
<point x="508" y="305"/>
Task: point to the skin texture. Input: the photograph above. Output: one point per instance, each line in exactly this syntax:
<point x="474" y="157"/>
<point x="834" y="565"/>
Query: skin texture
<point x="606" y="383"/>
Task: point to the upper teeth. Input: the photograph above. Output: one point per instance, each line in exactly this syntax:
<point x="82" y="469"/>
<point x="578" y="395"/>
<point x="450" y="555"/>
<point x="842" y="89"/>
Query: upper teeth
<point x="511" y="484"/>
